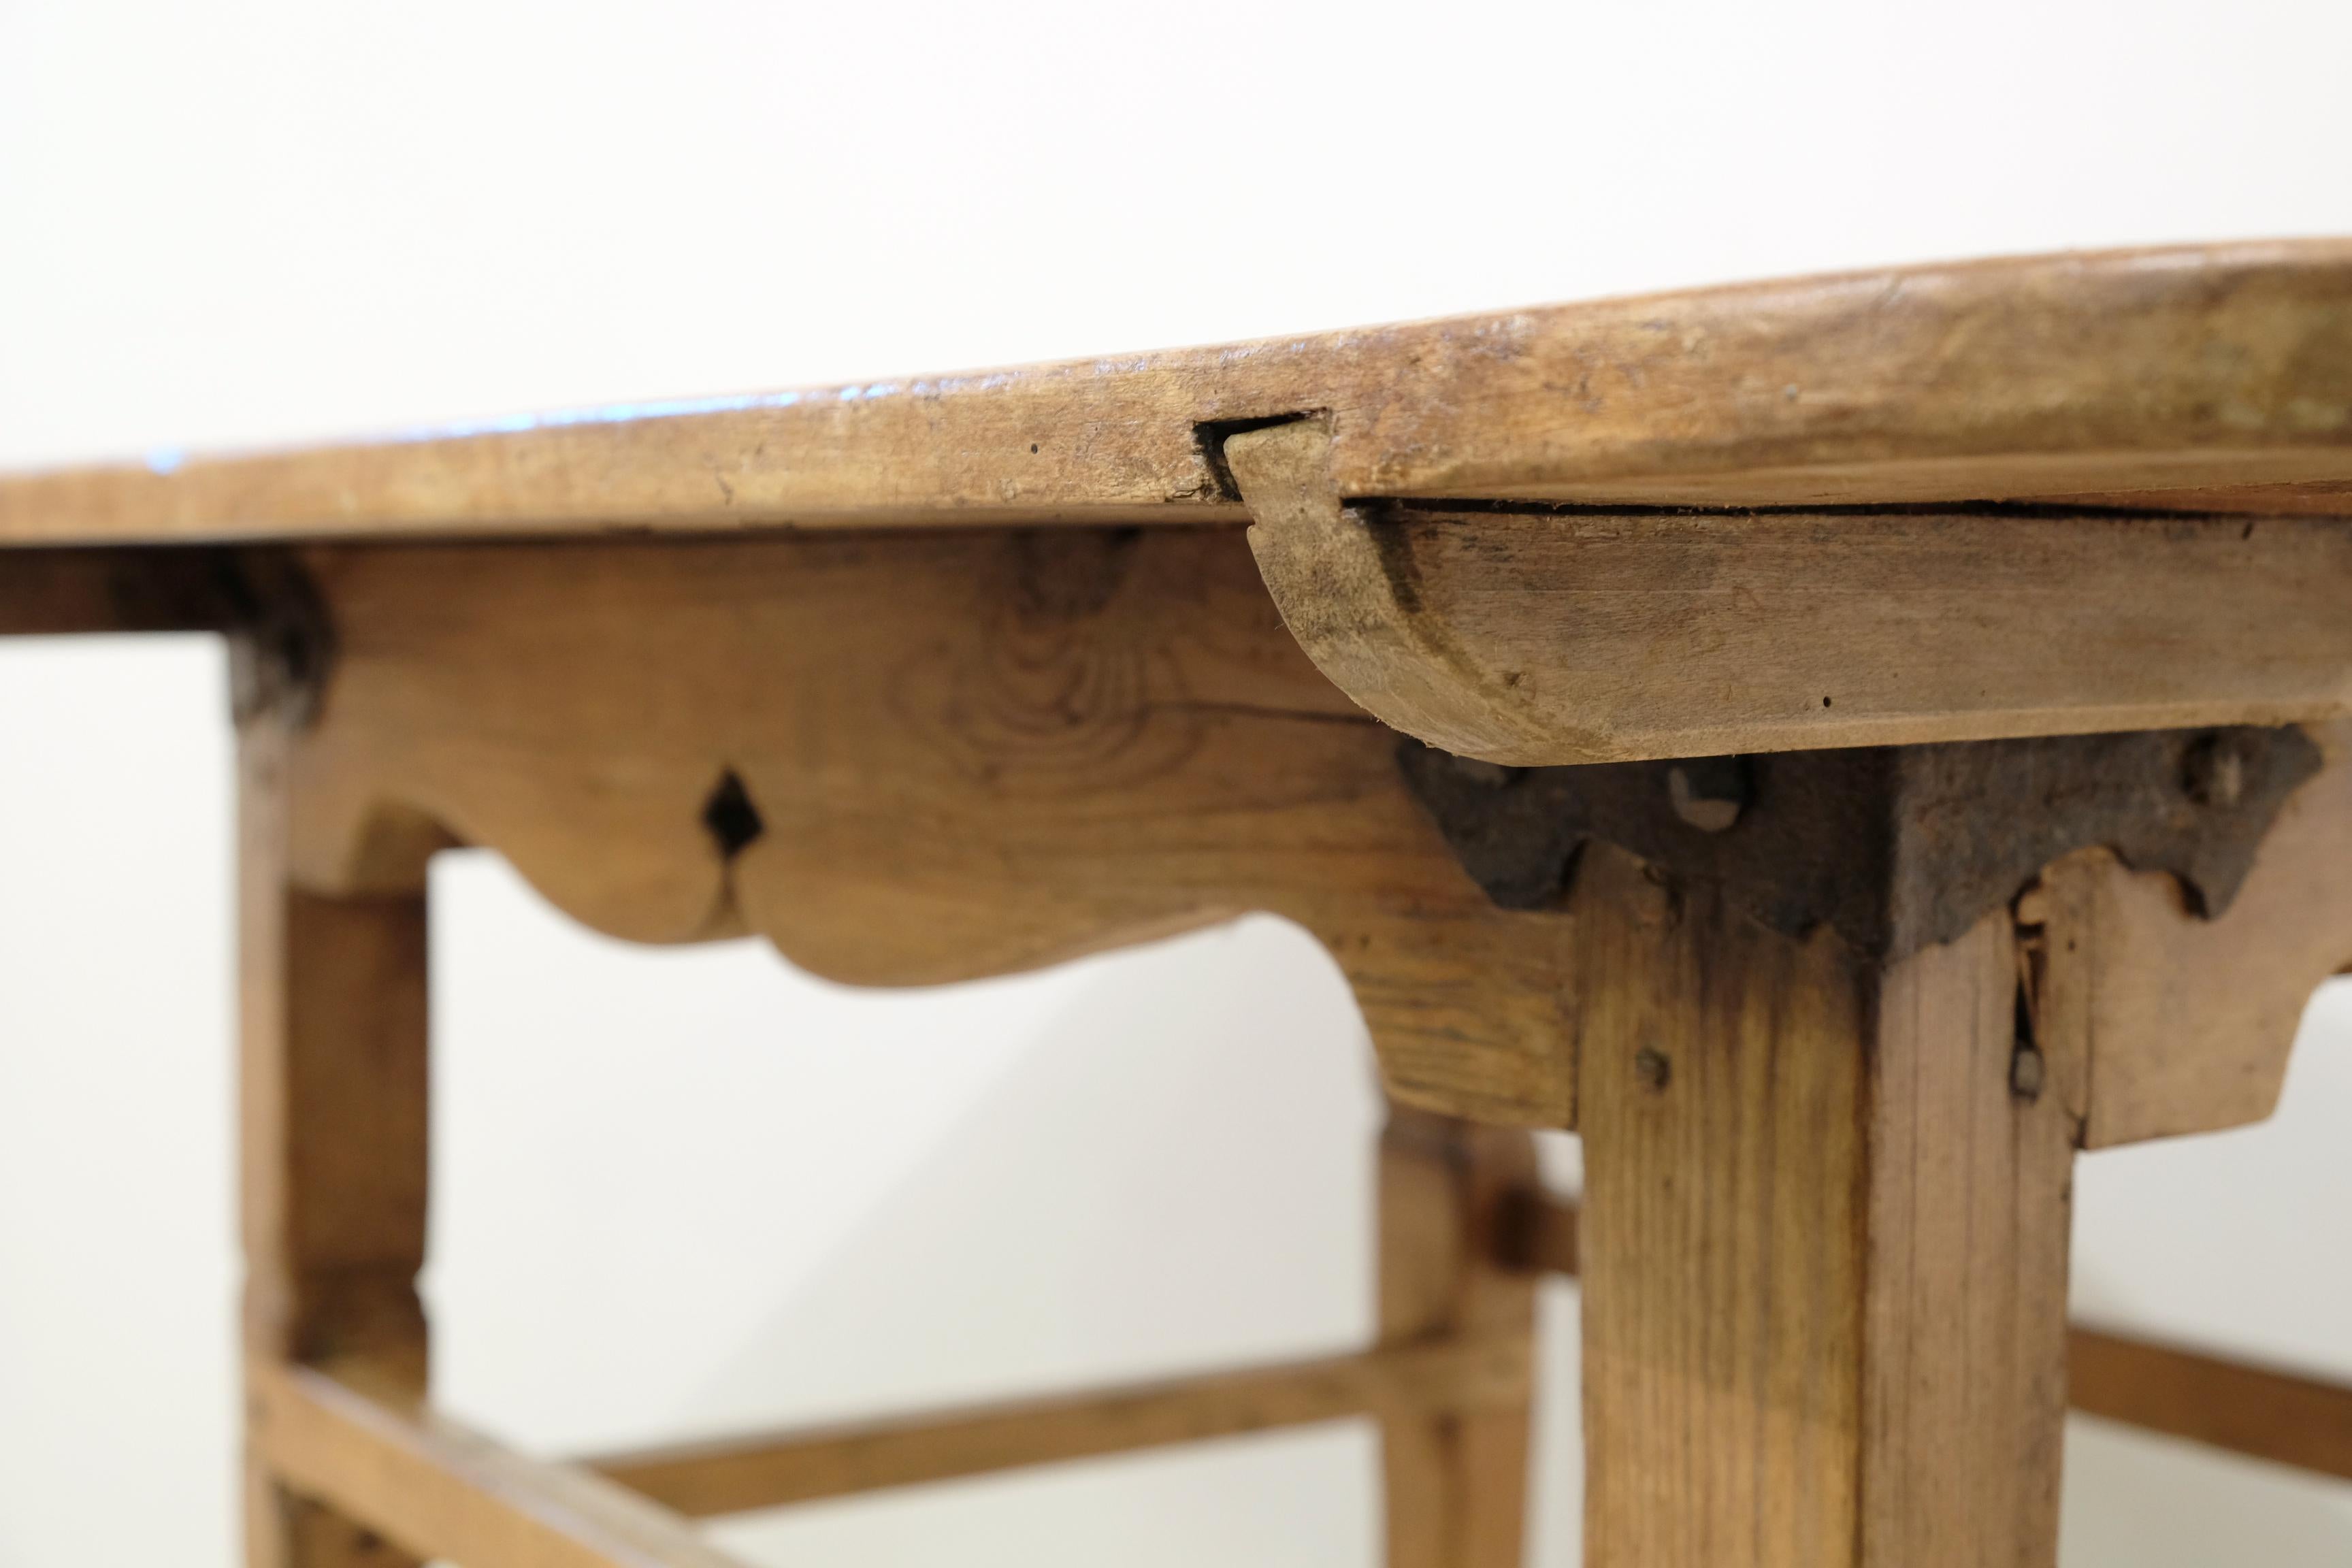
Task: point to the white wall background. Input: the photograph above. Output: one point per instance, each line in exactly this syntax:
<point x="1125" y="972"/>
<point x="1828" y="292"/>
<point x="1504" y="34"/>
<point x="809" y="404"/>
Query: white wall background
<point x="683" y="1192"/>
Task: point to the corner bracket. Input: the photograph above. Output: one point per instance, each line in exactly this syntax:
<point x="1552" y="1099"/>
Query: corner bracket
<point x="1895" y="847"/>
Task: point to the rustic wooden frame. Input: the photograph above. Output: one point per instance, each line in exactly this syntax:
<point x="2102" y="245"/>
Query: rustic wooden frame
<point x="346" y="1458"/>
<point x="348" y="1467"/>
<point x="1004" y="712"/>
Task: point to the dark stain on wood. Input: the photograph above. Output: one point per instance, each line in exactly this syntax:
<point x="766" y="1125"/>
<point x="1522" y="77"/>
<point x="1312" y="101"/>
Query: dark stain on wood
<point x="1895" y="847"/>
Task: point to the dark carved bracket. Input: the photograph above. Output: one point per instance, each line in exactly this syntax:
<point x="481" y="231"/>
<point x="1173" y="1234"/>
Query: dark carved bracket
<point x="1895" y="847"/>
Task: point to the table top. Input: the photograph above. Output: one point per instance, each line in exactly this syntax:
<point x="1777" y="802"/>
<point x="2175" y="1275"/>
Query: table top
<point x="2214" y="378"/>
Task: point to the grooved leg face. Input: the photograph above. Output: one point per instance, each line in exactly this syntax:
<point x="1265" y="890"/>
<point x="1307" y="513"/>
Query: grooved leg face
<point x="1971" y="1185"/>
<point x="1824" y="1245"/>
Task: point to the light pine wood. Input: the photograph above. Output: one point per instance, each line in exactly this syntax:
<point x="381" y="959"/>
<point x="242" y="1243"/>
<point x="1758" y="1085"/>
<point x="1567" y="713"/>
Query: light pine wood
<point x="2187" y="1022"/>
<point x="446" y="1493"/>
<point x="1407" y="1383"/>
<point x="2304" y="1423"/>
<point x="333" y="1142"/>
<point x="969" y="754"/>
<point x="2254" y="1411"/>
<point x="985" y="753"/>
<point x="1455" y="1476"/>
<point x="2194" y="372"/>
<point x="1824" y="1245"/>
<point x="1604" y="636"/>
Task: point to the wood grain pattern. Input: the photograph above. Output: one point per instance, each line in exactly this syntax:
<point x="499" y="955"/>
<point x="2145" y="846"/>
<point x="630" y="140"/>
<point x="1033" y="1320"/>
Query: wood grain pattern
<point x="2304" y="1423"/>
<point x="333" y="1099"/>
<point x="967" y="754"/>
<point x="1535" y="639"/>
<point x="446" y="1493"/>
<point x="2195" y="372"/>
<point x="2187" y="1022"/>
<point x="1455" y="1477"/>
<point x="733" y="1476"/>
<point x="982" y="753"/>
<point x="1823" y="1245"/>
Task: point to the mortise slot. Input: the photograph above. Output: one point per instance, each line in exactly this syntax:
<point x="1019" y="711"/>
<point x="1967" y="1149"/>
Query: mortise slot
<point x="1211" y="436"/>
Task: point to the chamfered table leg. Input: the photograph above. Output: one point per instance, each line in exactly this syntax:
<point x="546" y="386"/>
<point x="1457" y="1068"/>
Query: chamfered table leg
<point x="1824" y="1243"/>
<point x="332" y="1146"/>
<point x="1454" y="1482"/>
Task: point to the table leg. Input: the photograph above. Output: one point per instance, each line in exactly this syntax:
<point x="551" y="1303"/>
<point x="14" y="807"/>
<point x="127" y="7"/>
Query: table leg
<point x="333" y="1147"/>
<point x="1824" y="1243"/>
<point x="1456" y="1482"/>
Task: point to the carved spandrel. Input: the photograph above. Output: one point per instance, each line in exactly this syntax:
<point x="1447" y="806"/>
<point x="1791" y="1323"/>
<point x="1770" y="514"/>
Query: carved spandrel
<point x="971" y="755"/>
<point x="963" y="755"/>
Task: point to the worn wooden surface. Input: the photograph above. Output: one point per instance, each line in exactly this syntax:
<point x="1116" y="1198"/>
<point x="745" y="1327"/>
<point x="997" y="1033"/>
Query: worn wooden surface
<point x="1455" y="1479"/>
<point x="967" y="755"/>
<point x="1605" y="636"/>
<point x="446" y="1493"/>
<point x="2187" y="1022"/>
<point x="333" y="1139"/>
<point x="2200" y="377"/>
<point x="1825" y="1245"/>
<point x="733" y="1476"/>
<point x="1826" y="1233"/>
<point x="2260" y="1412"/>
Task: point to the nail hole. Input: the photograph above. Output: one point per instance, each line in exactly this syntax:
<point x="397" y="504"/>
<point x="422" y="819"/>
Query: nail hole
<point x="1653" y="1066"/>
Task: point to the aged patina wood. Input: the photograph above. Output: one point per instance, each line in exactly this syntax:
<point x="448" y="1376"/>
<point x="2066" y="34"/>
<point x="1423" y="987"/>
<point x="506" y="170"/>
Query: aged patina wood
<point x="2263" y="1412"/>
<point x="963" y="754"/>
<point x="2195" y="378"/>
<point x="1605" y="636"/>
<point x="333" y="1108"/>
<point x="1823" y="1243"/>
<point x="993" y="720"/>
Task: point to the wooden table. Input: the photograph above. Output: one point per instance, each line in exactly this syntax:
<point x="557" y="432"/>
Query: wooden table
<point x="1842" y="746"/>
